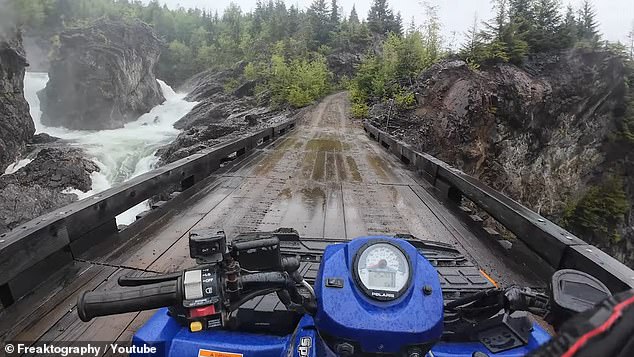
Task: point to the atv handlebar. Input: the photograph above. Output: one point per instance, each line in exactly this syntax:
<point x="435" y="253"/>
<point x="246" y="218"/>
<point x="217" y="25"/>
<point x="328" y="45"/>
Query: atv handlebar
<point x="147" y="293"/>
<point x="147" y="297"/>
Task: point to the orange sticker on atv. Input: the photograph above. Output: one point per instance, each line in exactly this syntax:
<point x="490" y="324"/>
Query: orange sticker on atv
<point x="208" y="353"/>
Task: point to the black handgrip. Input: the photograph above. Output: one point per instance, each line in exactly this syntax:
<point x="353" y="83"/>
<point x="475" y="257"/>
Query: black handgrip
<point x="147" y="297"/>
<point x="266" y="280"/>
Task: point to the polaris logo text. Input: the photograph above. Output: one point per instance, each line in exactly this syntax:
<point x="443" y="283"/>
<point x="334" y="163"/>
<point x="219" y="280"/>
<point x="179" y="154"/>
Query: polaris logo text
<point x="383" y="295"/>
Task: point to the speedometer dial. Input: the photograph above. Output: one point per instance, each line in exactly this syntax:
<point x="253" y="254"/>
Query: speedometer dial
<point x="382" y="270"/>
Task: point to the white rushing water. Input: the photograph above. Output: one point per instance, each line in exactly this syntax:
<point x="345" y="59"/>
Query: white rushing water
<point x="16" y="166"/>
<point x="120" y="153"/>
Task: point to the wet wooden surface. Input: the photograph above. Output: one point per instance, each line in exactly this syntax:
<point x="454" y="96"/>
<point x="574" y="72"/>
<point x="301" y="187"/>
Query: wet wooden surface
<point x="325" y="179"/>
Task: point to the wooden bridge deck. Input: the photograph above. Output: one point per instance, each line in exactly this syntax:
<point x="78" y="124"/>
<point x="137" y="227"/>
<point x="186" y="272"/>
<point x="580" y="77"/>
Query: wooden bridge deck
<point x="325" y="179"/>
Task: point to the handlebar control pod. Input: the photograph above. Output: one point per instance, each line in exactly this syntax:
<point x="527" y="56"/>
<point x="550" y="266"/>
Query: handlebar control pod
<point x="146" y="297"/>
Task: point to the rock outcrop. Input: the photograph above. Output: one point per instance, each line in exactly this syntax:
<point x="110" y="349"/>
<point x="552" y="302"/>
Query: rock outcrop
<point x="224" y="112"/>
<point x="344" y="64"/>
<point x="38" y="188"/>
<point x="102" y="76"/>
<point x="16" y="125"/>
<point x="542" y="134"/>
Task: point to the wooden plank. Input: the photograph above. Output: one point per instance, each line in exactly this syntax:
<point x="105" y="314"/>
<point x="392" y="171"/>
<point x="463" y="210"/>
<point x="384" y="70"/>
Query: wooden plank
<point x="420" y="220"/>
<point x="38" y="273"/>
<point x="18" y="253"/>
<point x="56" y="284"/>
<point x="176" y="228"/>
<point x="35" y="325"/>
<point x="225" y="214"/>
<point x="105" y="329"/>
<point x="334" y="216"/>
<point x="482" y="252"/>
<point x="125" y="338"/>
<point x="352" y="210"/>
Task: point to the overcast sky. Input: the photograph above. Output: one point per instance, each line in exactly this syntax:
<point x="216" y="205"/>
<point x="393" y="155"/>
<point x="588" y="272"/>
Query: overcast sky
<point x="615" y="16"/>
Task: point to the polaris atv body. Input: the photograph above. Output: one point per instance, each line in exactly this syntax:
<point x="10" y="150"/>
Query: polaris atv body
<point x="276" y="294"/>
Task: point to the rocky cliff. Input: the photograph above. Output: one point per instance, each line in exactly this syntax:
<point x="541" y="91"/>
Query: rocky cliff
<point x="102" y="76"/>
<point x="16" y="126"/>
<point x="545" y="134"/>
<point x="227" y="109"/>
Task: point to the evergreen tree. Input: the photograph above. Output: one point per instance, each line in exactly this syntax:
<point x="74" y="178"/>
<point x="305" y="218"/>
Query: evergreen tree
<point x="380" y="18"/>
<point x="335" y="17"/>
<point x="233" y="20"/>
<point x="494" y="33"/>
<point x="396" y="25"/>
<point x="354" y="17"/>
<point x="588" y="32"/>
<point x="521" y="13"/>
<point x="294" y="21"/>
<point x="546" y="30"/>
<point x="473" y="48"/>
<point x="431" y="31"/>
<point x="258" y="18"/>
<point x="412" y="26"/>
<point x="504" y="41"/>
<point x="568" y="32"/>
<point x="630" y="38"/>
<point x="319" y="20"/>
<point x="500" y="21"/>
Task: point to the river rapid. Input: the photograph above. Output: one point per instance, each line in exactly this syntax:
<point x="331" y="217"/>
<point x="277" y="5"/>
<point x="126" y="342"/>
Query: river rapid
<point x="122" y="153"/>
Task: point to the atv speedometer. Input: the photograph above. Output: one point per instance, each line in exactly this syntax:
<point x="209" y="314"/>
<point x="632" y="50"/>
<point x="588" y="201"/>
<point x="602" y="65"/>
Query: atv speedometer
<point x="382" y="270"/>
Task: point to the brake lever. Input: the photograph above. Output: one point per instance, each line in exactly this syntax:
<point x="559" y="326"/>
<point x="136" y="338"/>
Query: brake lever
<point x="525" y="299"/>
<point x="146" y="280"/>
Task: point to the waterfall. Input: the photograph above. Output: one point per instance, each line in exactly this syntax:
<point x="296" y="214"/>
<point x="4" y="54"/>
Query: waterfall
<point x="120" y="153"/>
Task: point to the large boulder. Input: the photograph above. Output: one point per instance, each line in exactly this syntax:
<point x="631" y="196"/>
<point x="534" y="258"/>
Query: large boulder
<point x="16" y="125"/>
<point x="102" y="76"/>
<point x="41" y="186"/>
<point x="344" y="64"/>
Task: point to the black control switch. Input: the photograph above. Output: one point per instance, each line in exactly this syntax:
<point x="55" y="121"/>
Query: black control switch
<point x="334" y="283"/>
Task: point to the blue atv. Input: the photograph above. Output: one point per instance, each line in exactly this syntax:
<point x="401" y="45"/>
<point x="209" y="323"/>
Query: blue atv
<point x="276" y="294"/>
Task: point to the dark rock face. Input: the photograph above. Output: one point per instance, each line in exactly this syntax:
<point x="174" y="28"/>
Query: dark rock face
<point x="102" y="76"/>
<point x="16" y="125"/>
<point x="540" y="133"/>
<point x="344" y="64"/>
<point x="535" y="133"/>
<point x="21" y="204"/>
<point x="207" y="83"/>
<point x="219" y="116"/>
<point x="43" y="138"/>
<point x="37" y="188"/>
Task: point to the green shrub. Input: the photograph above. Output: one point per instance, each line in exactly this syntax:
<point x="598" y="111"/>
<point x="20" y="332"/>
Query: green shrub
<point x="231" y="85"/>
<point x="405" y="100"/>
<point x="473" y="64"/>
<point x="298" y="97"/>
<point x="298" y="83"/>
<point x="251" y="71"/>
<point x="599" y="212"/>
<point x="360" y="110"/>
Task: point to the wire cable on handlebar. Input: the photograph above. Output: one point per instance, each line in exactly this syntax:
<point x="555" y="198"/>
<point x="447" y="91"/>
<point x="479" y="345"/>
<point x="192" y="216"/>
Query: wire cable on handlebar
<point x="234" y="306"/>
